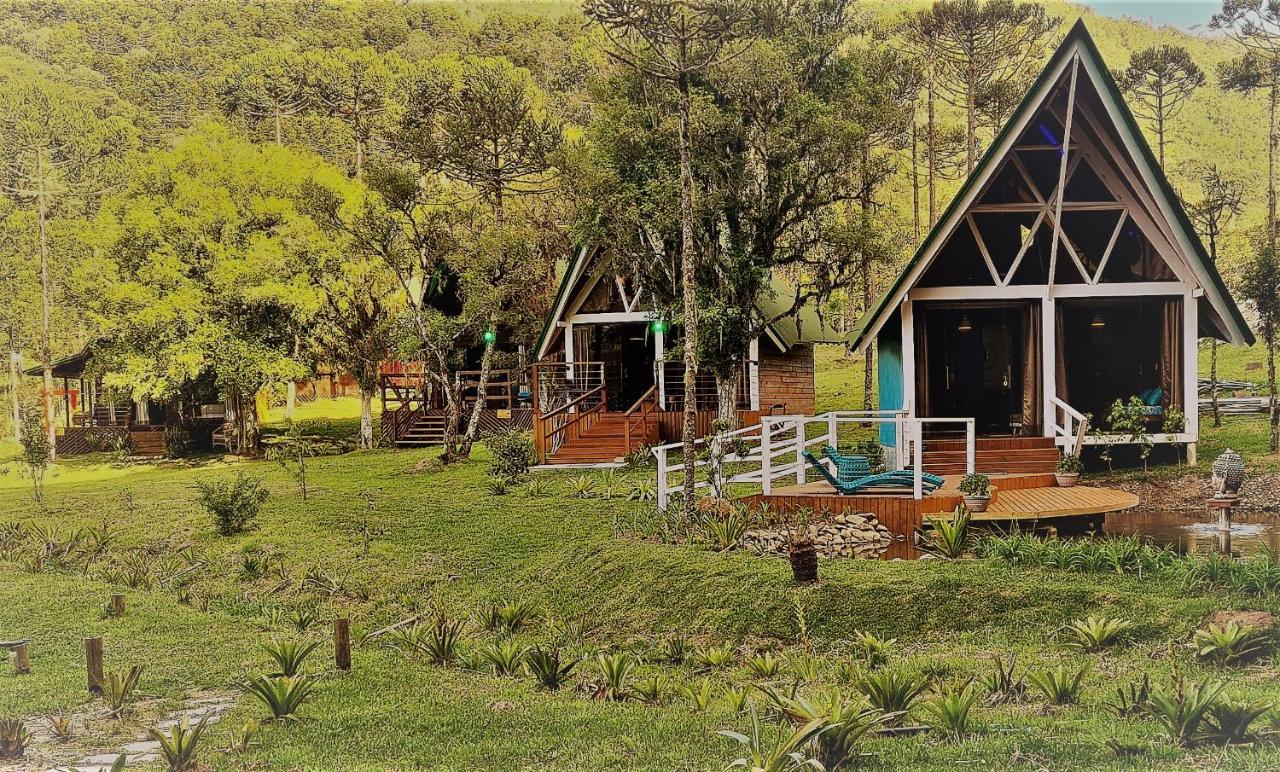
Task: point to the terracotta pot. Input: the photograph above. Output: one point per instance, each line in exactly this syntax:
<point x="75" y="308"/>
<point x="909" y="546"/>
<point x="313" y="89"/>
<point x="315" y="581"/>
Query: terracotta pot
<point x="977" y="503"/>
<point x="804" y="563"/>
<point x="1067" y="479"/>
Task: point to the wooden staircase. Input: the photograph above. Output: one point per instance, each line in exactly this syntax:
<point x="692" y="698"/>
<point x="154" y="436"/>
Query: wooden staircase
<point x="147" y="443"/>
<point x="993" y="455"/>
<point x="604" y="441"/>
<point x="424" y="429"/>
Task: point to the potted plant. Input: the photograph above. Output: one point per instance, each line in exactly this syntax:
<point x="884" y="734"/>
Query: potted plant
<point x="1068" y="473"/>
<point x="977" y="492"/>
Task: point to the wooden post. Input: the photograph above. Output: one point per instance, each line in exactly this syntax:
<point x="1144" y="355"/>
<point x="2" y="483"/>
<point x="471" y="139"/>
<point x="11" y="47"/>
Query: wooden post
<point x="662" y="478"/>
<point x="342" y="644"/>
<point x="117" y="604"/>
<point x="93" y="663"/>
<point x="21" y="660"/>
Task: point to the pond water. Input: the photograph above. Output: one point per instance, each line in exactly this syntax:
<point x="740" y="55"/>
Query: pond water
<point x="1197" y="532"/>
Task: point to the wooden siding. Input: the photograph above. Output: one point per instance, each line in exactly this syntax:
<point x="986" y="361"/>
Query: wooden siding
<point x="671" y="422"/>
<point x="786" y="380"/>
<point x="900" y="514"/>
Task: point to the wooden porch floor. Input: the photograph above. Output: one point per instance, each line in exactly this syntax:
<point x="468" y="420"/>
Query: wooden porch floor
<point x="1014" y="497"/>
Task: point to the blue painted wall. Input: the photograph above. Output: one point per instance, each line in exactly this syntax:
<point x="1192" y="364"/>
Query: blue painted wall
<point x="889" y="372"/>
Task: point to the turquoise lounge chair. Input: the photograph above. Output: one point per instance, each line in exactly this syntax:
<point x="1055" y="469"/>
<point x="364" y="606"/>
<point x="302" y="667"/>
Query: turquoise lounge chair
<point x="850" y="468"/>
<point x="899" y="479"/>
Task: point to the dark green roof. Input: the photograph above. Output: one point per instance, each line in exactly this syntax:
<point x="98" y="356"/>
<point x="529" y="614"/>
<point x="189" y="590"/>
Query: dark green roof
<point x="1107" y="87"/>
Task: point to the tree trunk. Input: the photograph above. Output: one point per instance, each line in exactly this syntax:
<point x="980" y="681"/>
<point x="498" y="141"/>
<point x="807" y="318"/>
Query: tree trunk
<point x="931" y="140"/>
<point x="46" y="302"/>
<point x="970" y="127"/>
<point x="868" y="364"/>
<point x="291" y="391"/>
<point x="13" y="393"/>
<point x="452" y="417"/>
<point x="482" y="392"/>
<point x="279" y="127"/>
<point x="915" y="177"/>
<point x="689" y="432"/>
<point x="727" y="399"/>
<point x="1213" y="342"/>
<point x="1269" y="332"/>
<point x="366" y="418"/>
<point x="1271" y="167"/>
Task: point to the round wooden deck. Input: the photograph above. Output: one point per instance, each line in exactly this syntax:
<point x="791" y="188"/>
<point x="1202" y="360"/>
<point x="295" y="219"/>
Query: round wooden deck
<point x="1046" y="503"/>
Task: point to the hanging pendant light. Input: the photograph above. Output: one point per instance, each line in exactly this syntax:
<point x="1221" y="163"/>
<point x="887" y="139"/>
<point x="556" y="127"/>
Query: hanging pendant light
<point x="965" y="324"/>
<point x="1098" y="322"/>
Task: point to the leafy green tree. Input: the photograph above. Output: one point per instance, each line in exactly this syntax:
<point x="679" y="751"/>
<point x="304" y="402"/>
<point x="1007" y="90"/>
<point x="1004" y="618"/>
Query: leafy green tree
<point x="983" y="47"/>
<point x="487" y="128"/>
<point x="55" y="153"/>
<point x="202" y="272"/>
<point x="1159" y="80"/>
<point x="266" y="88"/>
<point x="672" y="42"/>
<point x="356" y="86"/>
<point x="1259" y="284"/>
<point x="1221" y="200"/>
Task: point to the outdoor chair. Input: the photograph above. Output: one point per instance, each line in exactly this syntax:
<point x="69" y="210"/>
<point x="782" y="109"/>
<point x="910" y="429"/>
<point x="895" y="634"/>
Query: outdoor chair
<point x="850" y="468"/>
<point x="898" y="479"/>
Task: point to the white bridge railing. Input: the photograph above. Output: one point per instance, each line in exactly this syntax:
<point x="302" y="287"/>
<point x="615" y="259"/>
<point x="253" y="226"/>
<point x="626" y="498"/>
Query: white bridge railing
<point x="773" y="450"/>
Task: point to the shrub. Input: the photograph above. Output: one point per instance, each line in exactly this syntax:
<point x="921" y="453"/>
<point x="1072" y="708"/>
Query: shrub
<point x="952" y="711"/>
<point x="1059" y="686"/>
<point x="289" y="655"/>
<point x="975" y="485"/>
<point x="848" y="721"/>
<point x="724" y="532"/>
<point x="177" y="442"/>
<point x="440" y="642"/>
<point x="1069" y="464"/>
<point x="1228" y="644"/>
<point x="179" y="745"/>
<point x="548" y="668"/>
<point x="1096" y="633"/>
<point x="282" y="695"/>
<point x="234" y="506"/>
<point x="36" y="449"/>
<point x="513" y="454"/>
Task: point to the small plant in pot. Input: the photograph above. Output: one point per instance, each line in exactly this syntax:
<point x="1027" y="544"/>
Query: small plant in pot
<point x="977" y="492"/>
<point x="802" y="552"/>
<point x="1068" y="473"/>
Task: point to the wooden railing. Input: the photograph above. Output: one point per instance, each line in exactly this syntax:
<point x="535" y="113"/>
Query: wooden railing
<point x="556" y="384"/>
<point x="1069" y="426"/>
<point x="405" y="389"/>
<point x="705" y="393"/>
<point x="640" y="421"/>
<point x="566" y="423"/>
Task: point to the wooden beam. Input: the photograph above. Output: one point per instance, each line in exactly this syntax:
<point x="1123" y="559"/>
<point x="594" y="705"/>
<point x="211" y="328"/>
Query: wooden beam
<point x="1026" y="175"/>
<point x="1031" y="206"/>
<point x="606" y="317"/>
<point x="982" y="247"/>
<point x="1106" y="255"/>
<point x="1062" y="174"/>
<point x="1026" y="244"/>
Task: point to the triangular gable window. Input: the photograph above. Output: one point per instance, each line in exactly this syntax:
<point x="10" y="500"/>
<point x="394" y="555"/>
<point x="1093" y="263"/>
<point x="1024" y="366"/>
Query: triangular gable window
<point x="1133" y="258"/>
<point x="1004" y="234"/>
<point x="1034" y="266"/>
<point x="1090" y="234"/>
<point x="1009" y="187"/>
<point x="959" y="263"/>
<point x="1085" y="185"/>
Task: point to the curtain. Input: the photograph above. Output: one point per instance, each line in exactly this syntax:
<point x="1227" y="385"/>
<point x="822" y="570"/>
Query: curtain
<point x="1060" y="365"/>
<point x="1171" y="351"/>
<point x="1032" y="388"/>
<point x="923" y="406"/>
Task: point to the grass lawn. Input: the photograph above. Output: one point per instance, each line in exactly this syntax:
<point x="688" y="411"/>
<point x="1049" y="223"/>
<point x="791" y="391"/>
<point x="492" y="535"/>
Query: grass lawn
<point x="440" y="538"/>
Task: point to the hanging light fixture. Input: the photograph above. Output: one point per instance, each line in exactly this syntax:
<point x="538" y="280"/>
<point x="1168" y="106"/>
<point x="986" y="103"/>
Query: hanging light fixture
<point x="965" y="324"/>
<point x="1098" y="322"/>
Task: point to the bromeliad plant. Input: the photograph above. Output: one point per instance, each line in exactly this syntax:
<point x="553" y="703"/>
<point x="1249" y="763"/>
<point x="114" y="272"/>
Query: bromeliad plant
<point x="1228" y="644"/>
<point x="440" y="642"/>
<point x="179" y="745"/>
<point x="282" y="695"/>
<point x="951" y="711"/>
<point x="873" y="651"/>
<point x="848" y="721"/>
<point x="1230" y="723"/>
<point x="779" y="754"/>
<point x="505" y="656"/>
<point x="1060" y="686"/>
<point x="891" y="691"/>
<point x="949" y="537"/>
<point x="1182" y="709"/>
<point x="547" y="666"/>
<point x="1096" y="633"/>
<point x="615" y="669"/>
<point x="14" y="737"/>
<point x="1130" y="700"/>
<point x="713" y="657"/>
<point x="118" y="688"/>
<point x="1002" y="684"/>
<point x="289" y="655"/>
<point x="764" y="665"/>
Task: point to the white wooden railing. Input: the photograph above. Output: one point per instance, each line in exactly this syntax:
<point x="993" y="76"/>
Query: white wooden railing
<point x="774" y="450"/>
<point x="1069" y="426"/>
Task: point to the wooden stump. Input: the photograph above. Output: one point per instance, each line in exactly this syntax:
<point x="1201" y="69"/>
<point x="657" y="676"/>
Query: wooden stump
<point x="342" y="644"/>
<point x="117" y="604"/>
<point x="21" y="660"/>
<point x="804" y="563"/>
<point x="93" y="663"/>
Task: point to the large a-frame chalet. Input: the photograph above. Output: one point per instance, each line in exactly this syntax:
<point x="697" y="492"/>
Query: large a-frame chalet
<point x="1063" y="276"/>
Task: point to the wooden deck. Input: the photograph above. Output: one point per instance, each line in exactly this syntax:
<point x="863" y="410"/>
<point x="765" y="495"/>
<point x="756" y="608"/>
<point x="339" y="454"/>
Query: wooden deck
<point x="1014" y="497"/>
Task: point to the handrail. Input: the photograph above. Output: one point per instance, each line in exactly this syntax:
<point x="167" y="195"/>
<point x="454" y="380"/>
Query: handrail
<point x="1072" y="435"/>
<point x="643" y="408"/>
<point x="573" y="402"/>
<point x="559" y="424"/>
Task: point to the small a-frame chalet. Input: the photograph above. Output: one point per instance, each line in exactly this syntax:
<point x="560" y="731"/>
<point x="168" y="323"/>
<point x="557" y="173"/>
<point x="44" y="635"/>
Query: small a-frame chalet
<point x="609" y="381"/>
<point x="1063" y="276"/>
